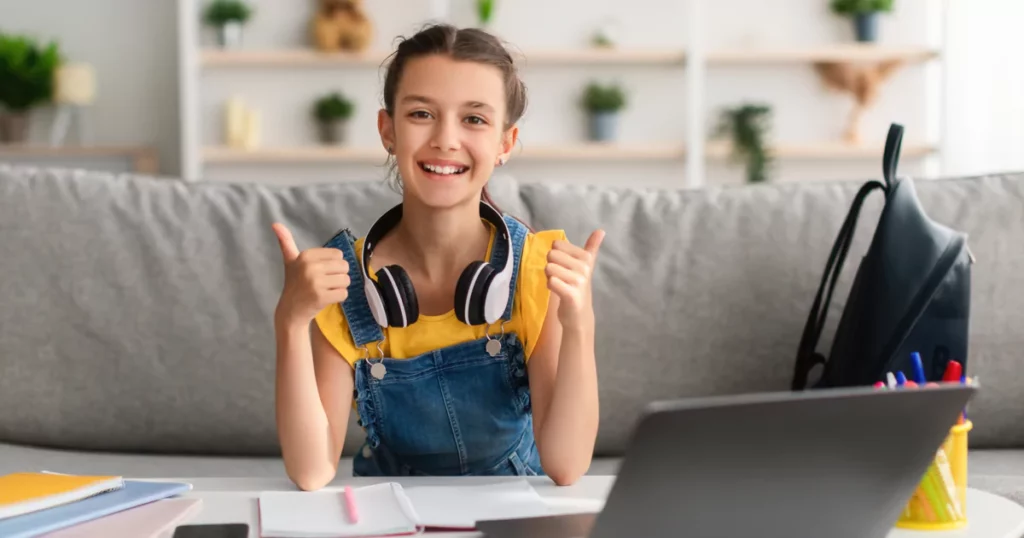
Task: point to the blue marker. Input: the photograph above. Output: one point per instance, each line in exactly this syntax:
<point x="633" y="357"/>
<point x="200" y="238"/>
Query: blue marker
<point x="918" y="366"/>
<point x="901" y="379"/>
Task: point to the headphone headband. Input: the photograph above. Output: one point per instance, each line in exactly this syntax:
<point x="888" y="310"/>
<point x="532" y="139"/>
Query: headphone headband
<point x="498" y="290"/>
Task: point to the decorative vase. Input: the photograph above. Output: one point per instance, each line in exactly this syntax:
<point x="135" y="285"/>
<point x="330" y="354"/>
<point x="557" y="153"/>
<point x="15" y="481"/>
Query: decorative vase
<point x="229" y="35"/>
<point x="333" y="132"/>
<point x="604" y="126"/>
<point x="14" y="127"/>
<point x="866" y="25"/>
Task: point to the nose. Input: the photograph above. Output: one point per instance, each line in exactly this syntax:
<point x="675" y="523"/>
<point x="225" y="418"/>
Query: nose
<point x="446" y="134"/>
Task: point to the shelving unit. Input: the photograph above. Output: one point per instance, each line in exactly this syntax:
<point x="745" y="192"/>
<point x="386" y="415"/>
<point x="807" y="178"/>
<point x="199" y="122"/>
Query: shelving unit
<point x="141" y="160"/>
<point x="696" y="59"/>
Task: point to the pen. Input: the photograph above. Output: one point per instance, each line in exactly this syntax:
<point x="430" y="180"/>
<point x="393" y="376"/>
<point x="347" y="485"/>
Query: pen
<point x="953" y="372"/>
<point x="890" y="380"/>
<point x="350" y="503"/>
<point x="918" y="366"/>
<point x="900" y="379"/>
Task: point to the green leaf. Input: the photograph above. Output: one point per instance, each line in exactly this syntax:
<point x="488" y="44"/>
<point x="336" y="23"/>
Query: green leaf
<point x="599" y="98"/>
<point x="853" y="7"/>
<point x="333" y="106"/>
<point x="27" y="71"/>
<point x="747" y="127"/>
<point x="221" y="12"/>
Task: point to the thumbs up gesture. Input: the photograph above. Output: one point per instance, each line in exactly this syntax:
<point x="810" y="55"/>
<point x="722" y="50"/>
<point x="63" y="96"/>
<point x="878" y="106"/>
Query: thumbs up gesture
<point x="313" y="279"/>
<point x="569" y="269"/>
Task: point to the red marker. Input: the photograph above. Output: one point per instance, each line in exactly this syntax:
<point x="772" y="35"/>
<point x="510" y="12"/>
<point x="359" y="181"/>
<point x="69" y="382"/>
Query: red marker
<point x="879" y="385"/>
<point x="910" y="384"/>
<point x="952" y="373"/>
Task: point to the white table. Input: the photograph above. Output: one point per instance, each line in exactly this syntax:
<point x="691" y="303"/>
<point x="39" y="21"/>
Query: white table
<point x="233" y="500"/>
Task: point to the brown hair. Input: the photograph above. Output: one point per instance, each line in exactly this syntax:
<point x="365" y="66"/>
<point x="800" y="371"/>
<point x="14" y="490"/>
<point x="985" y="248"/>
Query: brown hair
<point x="464" y="44"/>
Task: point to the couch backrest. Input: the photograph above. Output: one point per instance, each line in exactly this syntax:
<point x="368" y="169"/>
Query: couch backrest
<point x="135" y="312"/>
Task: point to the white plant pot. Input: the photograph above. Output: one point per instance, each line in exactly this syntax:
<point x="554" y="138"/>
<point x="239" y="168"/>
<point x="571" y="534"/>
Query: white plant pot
<point x="229" y="36"/>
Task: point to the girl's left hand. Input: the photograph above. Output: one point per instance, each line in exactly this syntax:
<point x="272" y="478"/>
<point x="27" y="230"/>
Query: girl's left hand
<point x="569" y="269"/>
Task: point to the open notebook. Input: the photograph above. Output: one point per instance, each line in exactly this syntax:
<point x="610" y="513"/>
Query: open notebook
<point x="389" y="509"/>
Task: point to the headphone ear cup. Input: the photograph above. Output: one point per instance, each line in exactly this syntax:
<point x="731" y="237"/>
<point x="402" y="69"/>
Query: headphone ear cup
<point x="470" y="294"/>
<point x="399" y="296"/>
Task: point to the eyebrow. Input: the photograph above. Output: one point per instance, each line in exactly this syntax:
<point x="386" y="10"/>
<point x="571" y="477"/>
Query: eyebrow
<point x="429" y="101"/>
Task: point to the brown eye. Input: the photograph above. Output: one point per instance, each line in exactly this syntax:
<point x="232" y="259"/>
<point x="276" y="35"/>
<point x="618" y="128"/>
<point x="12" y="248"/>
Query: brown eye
<point x="476" y="120"/>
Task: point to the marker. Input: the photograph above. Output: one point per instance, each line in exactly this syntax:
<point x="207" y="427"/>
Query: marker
<point x="918" y="366"/>
<point x="879" y="385"/>
<point x="901" y="379"/>
<point x="953" y="372"/>
<point x="911" y="384"/>
<point x="890" y="380"/>
<point x="350" y="504"/>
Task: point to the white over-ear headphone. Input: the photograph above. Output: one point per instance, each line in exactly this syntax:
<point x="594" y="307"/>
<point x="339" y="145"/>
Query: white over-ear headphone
<point x="481" y="294"/>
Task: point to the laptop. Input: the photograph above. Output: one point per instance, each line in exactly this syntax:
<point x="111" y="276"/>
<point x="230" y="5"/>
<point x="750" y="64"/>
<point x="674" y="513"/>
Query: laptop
<point x="840" y="463"/>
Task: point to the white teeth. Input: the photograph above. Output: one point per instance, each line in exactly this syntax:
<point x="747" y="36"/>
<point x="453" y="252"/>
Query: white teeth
<point x="443" y="170"/>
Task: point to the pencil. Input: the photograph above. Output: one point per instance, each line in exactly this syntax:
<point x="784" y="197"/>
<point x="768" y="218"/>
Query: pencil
<point x="350" y="503"/>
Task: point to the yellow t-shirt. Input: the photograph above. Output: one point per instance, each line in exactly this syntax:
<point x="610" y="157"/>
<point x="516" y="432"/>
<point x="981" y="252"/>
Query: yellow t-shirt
<point x="434" y="332"/>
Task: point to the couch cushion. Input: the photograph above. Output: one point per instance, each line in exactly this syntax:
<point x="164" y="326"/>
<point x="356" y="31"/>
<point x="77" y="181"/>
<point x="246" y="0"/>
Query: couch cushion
<point x="707" y="291"/>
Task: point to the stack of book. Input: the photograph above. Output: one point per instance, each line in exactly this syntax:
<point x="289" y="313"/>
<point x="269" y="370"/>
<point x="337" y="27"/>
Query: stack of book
<point x="63" y="506"/>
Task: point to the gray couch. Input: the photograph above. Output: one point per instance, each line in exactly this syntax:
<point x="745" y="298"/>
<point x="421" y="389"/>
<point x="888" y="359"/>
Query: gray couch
<point x="135" y="312"/>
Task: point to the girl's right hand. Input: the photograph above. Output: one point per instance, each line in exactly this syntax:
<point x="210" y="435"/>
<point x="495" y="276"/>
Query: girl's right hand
<point x="313" y="279"/>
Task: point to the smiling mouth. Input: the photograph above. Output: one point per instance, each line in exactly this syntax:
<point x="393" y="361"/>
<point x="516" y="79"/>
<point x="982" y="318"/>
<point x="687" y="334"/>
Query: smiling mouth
<point x="447" y="170"/>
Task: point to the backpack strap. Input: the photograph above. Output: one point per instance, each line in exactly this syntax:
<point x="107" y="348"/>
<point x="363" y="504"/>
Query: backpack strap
<point x="807" y="357"/>
<point x="891" y="157"/>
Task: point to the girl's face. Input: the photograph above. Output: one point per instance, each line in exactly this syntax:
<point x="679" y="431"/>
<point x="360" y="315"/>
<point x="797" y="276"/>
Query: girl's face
<point x="447" y="132"/>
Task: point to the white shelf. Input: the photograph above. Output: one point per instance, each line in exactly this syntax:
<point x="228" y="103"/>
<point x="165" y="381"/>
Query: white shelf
<point x="827" y="150"/>
<point x="593" y="151"/>
<point x="301" y="57"/>
<point x="842" y="52"/>
<point x="355" y="155"/>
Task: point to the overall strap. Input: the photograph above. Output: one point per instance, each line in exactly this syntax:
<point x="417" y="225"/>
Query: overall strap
<point x="360" y="320"/>
<point x="518" y="231"/>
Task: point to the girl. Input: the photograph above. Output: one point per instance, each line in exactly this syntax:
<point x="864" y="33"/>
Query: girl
<point x="464" y="340"/>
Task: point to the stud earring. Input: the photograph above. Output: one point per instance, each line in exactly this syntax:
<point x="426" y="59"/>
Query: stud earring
<point x="501" y="162"/>
<point x="391" y="149"/>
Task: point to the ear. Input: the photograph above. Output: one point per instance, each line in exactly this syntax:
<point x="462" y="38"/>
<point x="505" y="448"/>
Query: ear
<point x="508" y="142"/>
<point x="386" y="128"/>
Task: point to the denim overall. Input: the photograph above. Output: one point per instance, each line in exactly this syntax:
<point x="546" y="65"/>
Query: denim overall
<point x="452" y="411"/>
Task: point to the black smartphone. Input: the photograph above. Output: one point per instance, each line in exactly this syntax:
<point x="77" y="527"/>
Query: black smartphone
<point x="213" y="530"/>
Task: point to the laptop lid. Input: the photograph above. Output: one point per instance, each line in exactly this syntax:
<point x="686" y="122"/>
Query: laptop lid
<point x="840" y="463"/>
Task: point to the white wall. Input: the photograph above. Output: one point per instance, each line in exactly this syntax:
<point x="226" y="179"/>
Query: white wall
<point x="131" y="43"/>
<point x="985" y="131"/>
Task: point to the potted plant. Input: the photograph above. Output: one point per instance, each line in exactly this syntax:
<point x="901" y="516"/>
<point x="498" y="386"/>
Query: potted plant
<point x="228" y="17"/>
<point x="747" y="127"/>
<point x="602" y="103"/>
<point x="485" y="11"/>
<point x="865" y="15"/>
<point x="27" y="72"/>
<point x="332" y="112"/>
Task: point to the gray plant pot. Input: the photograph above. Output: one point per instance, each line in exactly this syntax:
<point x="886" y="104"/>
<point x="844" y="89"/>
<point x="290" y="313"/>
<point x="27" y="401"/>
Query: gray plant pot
<point x="866" y="25"/>
<point x="604" y="126"/>
<point x="333" y="132"/>
<point x="229" y="36"/>
<point x="14" y="127"/>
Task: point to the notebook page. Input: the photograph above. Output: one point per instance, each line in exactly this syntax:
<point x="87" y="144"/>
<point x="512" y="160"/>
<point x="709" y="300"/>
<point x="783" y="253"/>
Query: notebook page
<point x="462" y="506"/>
<point x="321" y="514"/>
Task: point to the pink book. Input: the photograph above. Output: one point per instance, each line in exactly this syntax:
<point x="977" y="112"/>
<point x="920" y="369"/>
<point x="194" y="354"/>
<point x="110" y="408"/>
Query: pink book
<point x="151" y="520"/>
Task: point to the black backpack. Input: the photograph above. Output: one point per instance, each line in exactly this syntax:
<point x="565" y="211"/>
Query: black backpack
<point x="911" y="292"/>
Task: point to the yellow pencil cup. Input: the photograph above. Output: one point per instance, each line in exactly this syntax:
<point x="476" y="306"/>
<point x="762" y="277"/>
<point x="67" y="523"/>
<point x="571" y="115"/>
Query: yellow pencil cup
<point x="939" y="502"/>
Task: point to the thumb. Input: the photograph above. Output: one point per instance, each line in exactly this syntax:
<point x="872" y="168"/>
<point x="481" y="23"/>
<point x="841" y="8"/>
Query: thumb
<point x="288" y="249"/>
<point x="594" y="242"/>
